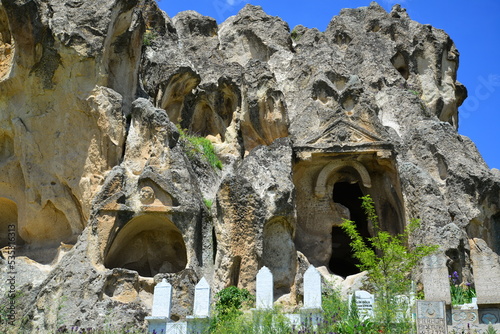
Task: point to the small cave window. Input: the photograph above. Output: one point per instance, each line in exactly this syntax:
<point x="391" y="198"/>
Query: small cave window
<point x="214" y="244"/>
<point x="148" y="244"/>
<point x="342" y="261"/>
<point x="495" y="223"/>
<point x="401" y="65"/>
<point x="234" y="272"/>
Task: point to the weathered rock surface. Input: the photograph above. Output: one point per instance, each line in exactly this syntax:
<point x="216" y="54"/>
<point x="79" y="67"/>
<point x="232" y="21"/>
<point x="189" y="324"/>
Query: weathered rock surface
<point x="92" y="96"/>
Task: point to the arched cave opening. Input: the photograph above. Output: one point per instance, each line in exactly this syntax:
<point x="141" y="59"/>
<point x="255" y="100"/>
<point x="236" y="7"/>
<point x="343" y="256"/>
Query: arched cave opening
<point x="9" y="234"/>
<point x="206" y="122"/>
<point x="148" y="244"/>
<point x="401" y="65"/>
<point x="342" y="261"/>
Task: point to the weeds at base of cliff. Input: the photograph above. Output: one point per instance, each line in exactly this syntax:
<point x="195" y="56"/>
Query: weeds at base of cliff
<point x="90" y="330"/>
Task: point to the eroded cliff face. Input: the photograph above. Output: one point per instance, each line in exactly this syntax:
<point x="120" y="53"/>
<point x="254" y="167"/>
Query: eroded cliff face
<point x="108" y="196"/>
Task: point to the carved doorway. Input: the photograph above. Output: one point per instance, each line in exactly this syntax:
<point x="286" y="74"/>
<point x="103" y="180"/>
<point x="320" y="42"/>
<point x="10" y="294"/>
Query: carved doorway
<point x="342" y="261"/>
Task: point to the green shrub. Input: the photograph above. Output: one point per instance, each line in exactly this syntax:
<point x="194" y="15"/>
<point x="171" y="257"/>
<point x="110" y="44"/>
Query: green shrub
<point x="208" y="203"/>
<point x="148" y="37"/>
<point x="231" y="300"/>
<point x="389" y="264"/>
<point x="200" y="146"/>
<point x="228" y="315"/>
<point x="491" y="330"/>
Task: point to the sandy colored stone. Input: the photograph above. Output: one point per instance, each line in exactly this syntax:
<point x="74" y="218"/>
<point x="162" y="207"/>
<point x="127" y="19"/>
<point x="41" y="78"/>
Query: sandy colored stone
<point x="91" y="155"/>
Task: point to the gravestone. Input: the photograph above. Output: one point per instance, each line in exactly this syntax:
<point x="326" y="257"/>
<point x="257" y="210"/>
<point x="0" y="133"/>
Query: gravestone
<point x="175" y="328"/>
<point x="464" y="317"/>
<point x="365" y="302"/>
<point x="431" y="317"/>
<point x="466" y="314"/>
<point x="312" y="289"/>
<point x="162" y="304"/>
<point x="435" y="278"/>
<point x="486" y="268"/>
<point x="404" y="305"/>
<point x="310" y="313"/>
<point x="265" y="285"/>
<point x="199" y="321"/>
<point x="202" y="299"/>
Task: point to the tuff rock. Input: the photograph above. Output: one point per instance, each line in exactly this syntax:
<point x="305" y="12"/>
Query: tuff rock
<point x="107" y="196"/>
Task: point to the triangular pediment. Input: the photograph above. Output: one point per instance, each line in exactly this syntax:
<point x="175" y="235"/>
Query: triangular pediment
<point x="152" y="194"/>
<point x="344" y="133"/>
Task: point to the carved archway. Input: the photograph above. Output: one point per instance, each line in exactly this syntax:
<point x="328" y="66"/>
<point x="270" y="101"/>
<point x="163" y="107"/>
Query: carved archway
<point x="149" y="244"/>
<point x="330" y="170"/>
<point x="328" y="187"/>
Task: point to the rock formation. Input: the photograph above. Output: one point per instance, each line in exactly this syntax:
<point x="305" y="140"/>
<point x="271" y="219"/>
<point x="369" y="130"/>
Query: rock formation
<point x="108" y="195"/>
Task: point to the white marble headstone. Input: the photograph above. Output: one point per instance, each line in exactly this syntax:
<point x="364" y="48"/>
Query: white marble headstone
<point x="312" y="288"/>
<point x="265" y="286"/>
<point x="364" y="303"/>
<point x="202" y="299"/>
<point x="162" y="299"/>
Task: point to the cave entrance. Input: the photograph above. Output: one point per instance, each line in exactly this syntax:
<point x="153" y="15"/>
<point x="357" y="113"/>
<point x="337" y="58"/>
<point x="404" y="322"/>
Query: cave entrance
<point x="148" y="244"/>
<point x="342" y="261"/>
<point x="9" y="235"/>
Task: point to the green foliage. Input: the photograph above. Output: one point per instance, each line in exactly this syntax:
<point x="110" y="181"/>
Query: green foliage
<point x="338" y="317"/>
<point x="91" y="330"/>
<point x="231" y="300"/>
<point x="350" y="321"/>
<point x="258" y="322"/>
<point x="200" y="146"/>
<point x="389" y="263"/>
<point x="491" y="330"/>
<point x="415" y="92"/>
<point x="228" y="317"/>
<point x="208" y="203"/>
<point x="461" y="293"/>
<point x="148" y="37"/>
<point x="295" y="35"/>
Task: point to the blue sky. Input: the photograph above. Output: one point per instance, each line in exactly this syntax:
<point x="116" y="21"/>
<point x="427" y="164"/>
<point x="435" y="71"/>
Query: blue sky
<point x="474" y="26"/>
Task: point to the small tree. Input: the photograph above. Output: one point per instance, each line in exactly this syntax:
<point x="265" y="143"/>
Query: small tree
<point x="389" y="263"/>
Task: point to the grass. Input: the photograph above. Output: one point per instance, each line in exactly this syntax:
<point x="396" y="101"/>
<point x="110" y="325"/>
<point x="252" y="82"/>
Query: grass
<point x="196" y="146"/>
<point x="148" y="37"/>
<point x="461" y="292"/>
<point x="208" y="203"/>
<point x="90" y="330"/>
